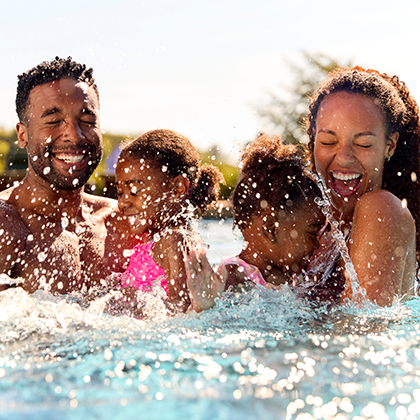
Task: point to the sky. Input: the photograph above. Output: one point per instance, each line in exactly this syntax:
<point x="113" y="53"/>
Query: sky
<point x="201" y="67"/>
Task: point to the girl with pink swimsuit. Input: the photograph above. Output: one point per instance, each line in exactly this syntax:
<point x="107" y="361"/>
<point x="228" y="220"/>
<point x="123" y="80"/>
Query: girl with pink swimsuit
<point x="161" y="186"/>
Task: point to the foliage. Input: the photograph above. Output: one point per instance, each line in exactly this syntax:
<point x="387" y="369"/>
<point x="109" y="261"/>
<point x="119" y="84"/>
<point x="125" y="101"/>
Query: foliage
<point x="285" y="113"/>
<point x="104" y="174"/>
<point x="8" y="149"/>
<point x="214" y="157"/>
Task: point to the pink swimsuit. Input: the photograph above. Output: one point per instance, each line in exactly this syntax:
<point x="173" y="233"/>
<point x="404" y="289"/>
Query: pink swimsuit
<point x="252" y="272"/>
<point x="142" y="272"/>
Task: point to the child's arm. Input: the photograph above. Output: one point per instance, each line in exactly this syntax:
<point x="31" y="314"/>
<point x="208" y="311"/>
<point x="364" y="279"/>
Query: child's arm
<point x="203" y="283"/>
<point x="168" y="253"/>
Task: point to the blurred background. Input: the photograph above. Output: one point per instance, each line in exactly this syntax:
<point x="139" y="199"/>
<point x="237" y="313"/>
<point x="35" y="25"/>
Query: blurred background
<point x="219" y="72"/>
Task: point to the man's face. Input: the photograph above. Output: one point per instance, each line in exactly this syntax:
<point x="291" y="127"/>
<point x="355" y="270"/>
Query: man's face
<point x="62" y="133"/>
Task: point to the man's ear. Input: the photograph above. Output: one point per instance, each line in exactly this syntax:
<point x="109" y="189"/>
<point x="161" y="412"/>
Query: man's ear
<point x="180" y="186"/>
<point x="270" y="227"/>
<point x="22" y="134"/>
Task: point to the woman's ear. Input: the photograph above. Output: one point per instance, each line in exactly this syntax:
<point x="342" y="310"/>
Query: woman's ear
<point x="180" y="186"/>
<point x="391" y="144"/>
<point x="22" y="134"/>
<point x="270" y="227"/>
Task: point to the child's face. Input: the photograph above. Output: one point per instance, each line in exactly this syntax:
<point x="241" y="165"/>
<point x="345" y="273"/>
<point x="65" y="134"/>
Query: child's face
<point x="142" y="194"/>
<point x="297" y="237"/>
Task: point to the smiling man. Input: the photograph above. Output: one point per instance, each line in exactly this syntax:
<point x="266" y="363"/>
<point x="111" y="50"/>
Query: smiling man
<point x="52" y="234"/>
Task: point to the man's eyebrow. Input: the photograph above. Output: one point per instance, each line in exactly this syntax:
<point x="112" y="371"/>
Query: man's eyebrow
<point x="50" y="111"/>
<point x="88" y="111"/>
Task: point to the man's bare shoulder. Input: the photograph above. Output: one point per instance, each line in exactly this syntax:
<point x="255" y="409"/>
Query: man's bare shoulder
<point x="9" y="214"/>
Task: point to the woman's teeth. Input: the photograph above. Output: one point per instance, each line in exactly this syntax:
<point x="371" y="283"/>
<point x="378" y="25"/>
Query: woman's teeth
<point x="345" y="177"/>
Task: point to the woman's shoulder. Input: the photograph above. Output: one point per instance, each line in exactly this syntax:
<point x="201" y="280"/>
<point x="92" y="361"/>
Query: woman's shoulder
<point x="383" y="206"/>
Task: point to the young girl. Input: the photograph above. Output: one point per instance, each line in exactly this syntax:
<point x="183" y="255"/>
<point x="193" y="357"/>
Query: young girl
<point x="160" y="186"/>
<point x="274" y="208"/>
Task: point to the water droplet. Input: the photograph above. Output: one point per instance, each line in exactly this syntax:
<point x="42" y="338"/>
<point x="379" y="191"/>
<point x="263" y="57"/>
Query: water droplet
<point x="64" y="222"/>
<point x="47" y="170"/>
<point x="42" y="256"/>
<point x="164" y="168"/>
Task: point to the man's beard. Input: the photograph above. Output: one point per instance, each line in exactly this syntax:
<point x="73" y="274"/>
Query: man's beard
<point x="45" y="169"/>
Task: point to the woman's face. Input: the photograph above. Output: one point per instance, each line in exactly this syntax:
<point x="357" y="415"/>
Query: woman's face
<point x="350" y="147"/>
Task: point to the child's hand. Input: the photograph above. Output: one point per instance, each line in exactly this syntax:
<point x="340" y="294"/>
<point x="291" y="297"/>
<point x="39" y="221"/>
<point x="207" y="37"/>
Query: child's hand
<point x="203" y="283"/>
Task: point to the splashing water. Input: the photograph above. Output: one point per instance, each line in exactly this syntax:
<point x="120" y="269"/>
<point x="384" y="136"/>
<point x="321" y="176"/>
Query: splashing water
<point x="358" y="292"/>
<point x="262" y="354"/>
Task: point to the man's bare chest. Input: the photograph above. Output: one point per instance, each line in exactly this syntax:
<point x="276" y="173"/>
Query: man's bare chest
<point x="60" y="257"/>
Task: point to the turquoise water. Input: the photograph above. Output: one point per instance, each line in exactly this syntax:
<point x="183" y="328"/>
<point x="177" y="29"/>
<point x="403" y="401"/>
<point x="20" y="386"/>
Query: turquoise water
<point x="260" y="355"/>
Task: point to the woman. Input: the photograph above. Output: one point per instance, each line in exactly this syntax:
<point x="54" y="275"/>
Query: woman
<point x="364" y="142"/>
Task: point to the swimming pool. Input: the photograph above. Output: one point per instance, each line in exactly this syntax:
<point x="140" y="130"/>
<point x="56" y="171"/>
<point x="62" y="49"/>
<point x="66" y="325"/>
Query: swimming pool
<point x="261" y="355"/>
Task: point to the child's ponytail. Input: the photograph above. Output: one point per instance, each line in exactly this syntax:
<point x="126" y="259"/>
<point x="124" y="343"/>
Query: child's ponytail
<point x="205" y="190"/>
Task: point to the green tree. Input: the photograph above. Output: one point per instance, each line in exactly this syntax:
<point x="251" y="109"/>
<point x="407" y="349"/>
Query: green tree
<point x="214" y="157"/>
<point x="285" y="113"/>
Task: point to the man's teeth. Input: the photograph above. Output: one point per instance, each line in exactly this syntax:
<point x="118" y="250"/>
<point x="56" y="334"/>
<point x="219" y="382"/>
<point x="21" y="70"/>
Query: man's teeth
<point x="346" y="177"/>
<point x="69" y="158"/>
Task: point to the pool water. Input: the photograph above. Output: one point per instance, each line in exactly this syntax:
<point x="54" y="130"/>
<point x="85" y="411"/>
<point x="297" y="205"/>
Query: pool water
<point x="260" y="355"/>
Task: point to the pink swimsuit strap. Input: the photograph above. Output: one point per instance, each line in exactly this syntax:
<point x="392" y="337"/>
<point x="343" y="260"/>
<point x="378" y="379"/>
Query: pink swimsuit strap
<point x="252" y="272"/>
<point x="142" y="271"/>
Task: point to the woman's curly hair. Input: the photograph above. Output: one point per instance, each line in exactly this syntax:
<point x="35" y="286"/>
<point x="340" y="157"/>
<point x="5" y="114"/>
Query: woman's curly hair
<point x="401" y="114"/>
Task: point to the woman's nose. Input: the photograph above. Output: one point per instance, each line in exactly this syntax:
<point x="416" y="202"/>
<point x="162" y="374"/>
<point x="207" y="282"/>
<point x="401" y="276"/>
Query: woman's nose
<point x="344" y="155"/>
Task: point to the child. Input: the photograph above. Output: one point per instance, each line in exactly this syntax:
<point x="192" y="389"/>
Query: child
<point x="160" y="185"/>
<point x="274" y="208"/>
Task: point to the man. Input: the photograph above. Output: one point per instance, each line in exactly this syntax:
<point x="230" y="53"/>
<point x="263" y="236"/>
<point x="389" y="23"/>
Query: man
<point x="52" y="234"/>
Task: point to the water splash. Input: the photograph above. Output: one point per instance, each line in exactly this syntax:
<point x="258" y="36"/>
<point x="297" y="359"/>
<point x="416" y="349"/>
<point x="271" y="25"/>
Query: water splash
<point x="358" y="293"/>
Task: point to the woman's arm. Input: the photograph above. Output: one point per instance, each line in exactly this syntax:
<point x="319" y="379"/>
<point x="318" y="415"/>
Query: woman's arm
<point x="382" y="247"/>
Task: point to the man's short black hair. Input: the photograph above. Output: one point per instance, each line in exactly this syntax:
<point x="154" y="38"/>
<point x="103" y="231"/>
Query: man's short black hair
<point x="48" y="72"/>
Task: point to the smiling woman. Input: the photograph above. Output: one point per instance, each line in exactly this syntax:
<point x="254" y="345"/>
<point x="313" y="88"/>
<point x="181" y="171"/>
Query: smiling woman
<point x="364" y="141"/>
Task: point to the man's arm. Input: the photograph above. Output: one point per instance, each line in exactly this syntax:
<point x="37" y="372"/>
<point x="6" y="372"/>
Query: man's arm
<point x="13" y="237"/>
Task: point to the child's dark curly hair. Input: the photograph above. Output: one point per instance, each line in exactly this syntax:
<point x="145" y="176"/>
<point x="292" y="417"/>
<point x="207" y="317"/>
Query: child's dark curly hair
<point x="174" y="152"/>
<point x="272" y="177"/>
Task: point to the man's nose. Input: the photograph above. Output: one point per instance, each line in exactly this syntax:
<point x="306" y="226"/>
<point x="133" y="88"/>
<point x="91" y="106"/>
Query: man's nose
<point x="73" y="131"/>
